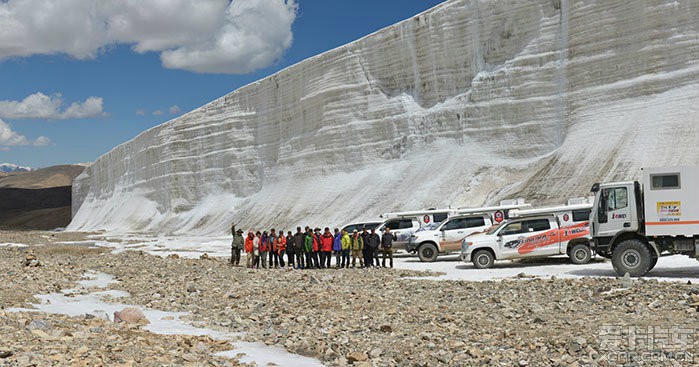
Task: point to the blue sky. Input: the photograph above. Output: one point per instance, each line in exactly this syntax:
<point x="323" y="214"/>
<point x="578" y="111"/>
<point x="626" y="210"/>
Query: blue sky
<point x="116" y="92"/>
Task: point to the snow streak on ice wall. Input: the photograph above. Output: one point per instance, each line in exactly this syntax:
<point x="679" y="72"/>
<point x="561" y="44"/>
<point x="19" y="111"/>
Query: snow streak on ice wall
<point x="468" y="103"/>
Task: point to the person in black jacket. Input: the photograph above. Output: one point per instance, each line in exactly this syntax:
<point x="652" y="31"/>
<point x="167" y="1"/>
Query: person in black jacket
<point x="387" y="245"/>
<point x="290" y="249"/>
<point x="299" y="239"/>
<point x="372" y="242"/>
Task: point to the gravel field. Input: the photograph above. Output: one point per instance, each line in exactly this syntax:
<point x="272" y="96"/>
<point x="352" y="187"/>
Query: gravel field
<point x="359" y="317"/>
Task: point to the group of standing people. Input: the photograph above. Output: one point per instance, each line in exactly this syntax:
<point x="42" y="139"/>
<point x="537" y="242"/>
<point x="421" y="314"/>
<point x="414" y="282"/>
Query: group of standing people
<point x="311" y="249"/>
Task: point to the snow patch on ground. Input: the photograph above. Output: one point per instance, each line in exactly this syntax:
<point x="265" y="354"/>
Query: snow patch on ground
<point x="264" y="355"/>
<point x="19" y="245"/>
<point x="73" y="302"/>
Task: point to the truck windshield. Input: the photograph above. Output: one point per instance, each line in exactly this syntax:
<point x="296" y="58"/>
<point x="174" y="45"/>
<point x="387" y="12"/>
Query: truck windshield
<point x="496" y="228"/>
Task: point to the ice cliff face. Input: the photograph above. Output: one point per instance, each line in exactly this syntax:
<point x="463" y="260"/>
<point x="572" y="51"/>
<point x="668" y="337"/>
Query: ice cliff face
<point x="468" y="103"/>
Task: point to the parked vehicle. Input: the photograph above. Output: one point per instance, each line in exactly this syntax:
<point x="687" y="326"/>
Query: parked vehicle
<point x="424" y="217"/>
<point x="359" y="226"/>
<point x="533" y="233"/>
<point x="401" y="228"/>
<point x="430" y="241"/>
<point x="632" y="224"/>
<point x="446" y="237"/>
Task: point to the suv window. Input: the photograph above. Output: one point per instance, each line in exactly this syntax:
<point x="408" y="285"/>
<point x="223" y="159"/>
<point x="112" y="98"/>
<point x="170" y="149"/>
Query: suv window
<point x="536" y="225"/>
<point x="475" y="222"/>
<point x="618" y="198"/>
<point x="455" y="224"/>
<point x="439" y="217"/>
<point x="406" y="223"/>
<point x="582" y="215"/>
<point x="393" y="225"/>
<point x="512" y="228"/>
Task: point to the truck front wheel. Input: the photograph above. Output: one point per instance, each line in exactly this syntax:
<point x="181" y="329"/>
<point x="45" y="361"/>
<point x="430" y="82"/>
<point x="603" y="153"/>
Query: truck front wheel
<point x="483" y="259"/>
<point x="580" y="254"/>
<point x="633" y="257"/>
<point x="427" y="253"/>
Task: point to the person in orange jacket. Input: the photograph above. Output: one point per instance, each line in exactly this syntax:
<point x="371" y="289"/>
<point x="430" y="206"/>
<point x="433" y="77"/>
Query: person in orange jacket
<point x="281" y="248"/>
<point x="326" y="248"/>
<point x="250" y="255"/>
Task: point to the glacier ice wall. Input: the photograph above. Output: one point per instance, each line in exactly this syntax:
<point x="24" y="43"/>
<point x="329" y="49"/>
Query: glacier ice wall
<point x="465" y="104"/>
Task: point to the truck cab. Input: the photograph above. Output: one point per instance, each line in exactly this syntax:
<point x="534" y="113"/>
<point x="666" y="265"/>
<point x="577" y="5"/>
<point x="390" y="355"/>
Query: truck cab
<point x="445" y="237"/>
<point x="618" y="209"/>
<point x="634" y="223"/>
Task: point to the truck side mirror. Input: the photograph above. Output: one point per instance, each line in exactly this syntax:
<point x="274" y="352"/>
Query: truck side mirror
<point x="602" y="207"/>
<point x="595" y="188"/>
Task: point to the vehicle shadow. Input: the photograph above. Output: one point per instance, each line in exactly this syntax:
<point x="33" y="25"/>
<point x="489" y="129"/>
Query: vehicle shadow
<point x="531" y="263"/>
<point x="671" y="273"/>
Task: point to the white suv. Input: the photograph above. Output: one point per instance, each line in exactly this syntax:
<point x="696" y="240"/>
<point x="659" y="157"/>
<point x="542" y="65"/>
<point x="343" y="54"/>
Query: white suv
<point x="401" y="228"/>
<point x="446" y="237"/>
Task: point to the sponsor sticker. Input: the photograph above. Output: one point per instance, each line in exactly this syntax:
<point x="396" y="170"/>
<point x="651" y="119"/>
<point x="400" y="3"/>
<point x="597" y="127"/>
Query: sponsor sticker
<point x="426" y="219"/>
<point x="669" y="211"/>
<point x="499" y="216"/>
<point x="566" y="217"/>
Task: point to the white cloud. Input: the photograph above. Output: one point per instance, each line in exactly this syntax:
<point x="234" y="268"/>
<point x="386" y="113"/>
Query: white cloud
<point x="174" y="110"/>
<point x="157" y="113"/>
<point x="141" y="112"/>
<point x="208" y="36"/>
<point x="9" y="138"/>
<point x="41" y="106"/>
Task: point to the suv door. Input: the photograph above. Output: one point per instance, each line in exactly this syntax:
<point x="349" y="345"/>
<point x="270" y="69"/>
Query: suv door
<point x="530" y="237"/>
<point x="541" y="238"/>
<point x="456" y="229"/>
<point x="510" y="239"/>
<point x="405" y="228"/>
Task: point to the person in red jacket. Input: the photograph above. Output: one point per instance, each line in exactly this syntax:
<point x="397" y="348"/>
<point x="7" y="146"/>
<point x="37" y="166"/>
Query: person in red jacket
<point x="249" y="250"/>
<point x="281" y="248"/>
<point x="326" y="248"/>
<point x="316" y="249"/>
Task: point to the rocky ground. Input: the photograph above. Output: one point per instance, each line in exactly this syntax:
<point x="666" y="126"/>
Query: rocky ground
<point x="376" y="317"/>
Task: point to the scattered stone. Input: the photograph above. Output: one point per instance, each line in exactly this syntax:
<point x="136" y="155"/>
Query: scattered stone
<point x="386" y="328"/>
<point x="204" y="256"/>
<point x="30" y="260"/>
<point x="39" y="325"/>
<point x="4" y="353"/>
<point x="130" y="315"/>
<point x="357" y="357"/>
<point x="626" y="281"/>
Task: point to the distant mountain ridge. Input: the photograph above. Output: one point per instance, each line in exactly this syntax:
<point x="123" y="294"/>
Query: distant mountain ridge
<point x="10" y="167"/>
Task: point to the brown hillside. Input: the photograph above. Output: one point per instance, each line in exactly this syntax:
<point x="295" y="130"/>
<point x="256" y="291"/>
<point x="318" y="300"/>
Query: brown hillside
<point x="38" y="199"/>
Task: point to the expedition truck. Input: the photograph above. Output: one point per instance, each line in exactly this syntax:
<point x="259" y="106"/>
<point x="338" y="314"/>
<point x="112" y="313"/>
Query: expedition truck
<point x="634" y="223"/>
<point x="429" y="241"/>
<point x="533" y="233"/>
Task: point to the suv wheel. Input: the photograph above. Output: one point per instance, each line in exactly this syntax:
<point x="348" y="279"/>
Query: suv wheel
<point x="427" y="253"/>
<point x="580" y="254"/>
<point x="482" y="259"/>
